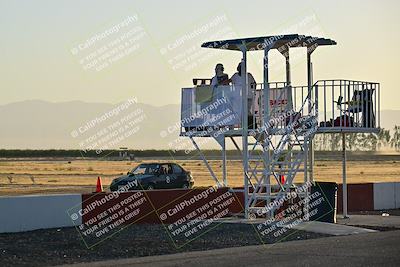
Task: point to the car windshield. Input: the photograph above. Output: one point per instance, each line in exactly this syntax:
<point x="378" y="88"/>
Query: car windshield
<point x="145" y="169"/>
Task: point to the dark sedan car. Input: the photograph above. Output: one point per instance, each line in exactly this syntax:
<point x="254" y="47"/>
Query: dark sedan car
<point x="154" y="176"/>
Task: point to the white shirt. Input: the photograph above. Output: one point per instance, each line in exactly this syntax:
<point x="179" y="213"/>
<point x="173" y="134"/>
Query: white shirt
<point x="238" y="81"/>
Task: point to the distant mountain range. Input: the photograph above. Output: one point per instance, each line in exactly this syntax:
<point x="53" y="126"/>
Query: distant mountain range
<point x="37" y="124"/>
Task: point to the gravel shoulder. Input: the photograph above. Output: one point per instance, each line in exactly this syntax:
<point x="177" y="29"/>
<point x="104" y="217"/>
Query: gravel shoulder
<point x="65" y="246"/>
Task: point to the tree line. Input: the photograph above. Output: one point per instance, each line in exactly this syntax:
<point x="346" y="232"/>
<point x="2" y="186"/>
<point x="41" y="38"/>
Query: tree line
<point x="322" y="142"/>
<point x="385" y="139"/>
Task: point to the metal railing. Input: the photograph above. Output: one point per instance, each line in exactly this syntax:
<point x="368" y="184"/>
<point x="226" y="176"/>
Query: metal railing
<point x="347" y="105"/>
<point x="203" y="106"/>
<point x="338" y="105"/>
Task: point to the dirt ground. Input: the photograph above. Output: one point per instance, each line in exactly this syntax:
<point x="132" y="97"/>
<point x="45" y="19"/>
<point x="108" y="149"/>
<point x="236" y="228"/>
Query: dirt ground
<point x="39" y="176"/>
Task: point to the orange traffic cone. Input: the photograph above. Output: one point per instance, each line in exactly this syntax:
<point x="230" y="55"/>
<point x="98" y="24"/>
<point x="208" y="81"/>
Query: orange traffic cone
<point x="99" y="186"/>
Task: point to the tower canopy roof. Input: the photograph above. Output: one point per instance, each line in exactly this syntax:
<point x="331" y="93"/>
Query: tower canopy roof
<point x="274" y="41"/>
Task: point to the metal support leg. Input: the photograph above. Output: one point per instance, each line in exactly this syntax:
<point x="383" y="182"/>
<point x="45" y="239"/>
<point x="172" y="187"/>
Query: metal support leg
<point x="266" y="146"/>
<point x="244" y="126"/>
<point x="224" y="163"/>
<point x="206" y="162"/>
<point x="344" y="175"/>
<point x="311" y="167"/>
<point x="307" y="142"/>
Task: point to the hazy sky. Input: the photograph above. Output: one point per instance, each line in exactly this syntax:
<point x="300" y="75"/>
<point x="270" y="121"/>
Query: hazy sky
<point x="50" y="49"/>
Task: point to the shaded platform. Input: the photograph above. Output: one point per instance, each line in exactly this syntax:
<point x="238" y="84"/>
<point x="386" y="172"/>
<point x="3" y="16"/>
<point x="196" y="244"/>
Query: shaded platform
<point x="312" y="226"/>
<point x="331" y="228"/>
<point x="371" y="220"/>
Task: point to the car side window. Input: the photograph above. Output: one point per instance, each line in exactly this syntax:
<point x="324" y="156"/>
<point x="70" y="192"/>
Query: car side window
<point x="176" y="168"/>
<point x="164" y="169"/>
<point x="169" y="170"/>
<point x="152" y="169"/>
<point x="139" y="170"/>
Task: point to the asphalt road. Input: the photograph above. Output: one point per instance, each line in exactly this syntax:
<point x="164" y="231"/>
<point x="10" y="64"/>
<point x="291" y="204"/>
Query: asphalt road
<point x="372" y="249"/>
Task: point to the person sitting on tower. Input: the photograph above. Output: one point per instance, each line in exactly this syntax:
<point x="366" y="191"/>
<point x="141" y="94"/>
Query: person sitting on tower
<point x="220" y="77"/>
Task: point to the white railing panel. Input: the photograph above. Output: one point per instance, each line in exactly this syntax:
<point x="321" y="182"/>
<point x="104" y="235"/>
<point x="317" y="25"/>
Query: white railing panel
<point x="205" y="106"/>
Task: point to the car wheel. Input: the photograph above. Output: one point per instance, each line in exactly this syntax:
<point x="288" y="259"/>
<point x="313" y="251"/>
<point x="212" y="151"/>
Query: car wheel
<point x="185" y="186"/>
<point x="150" y="187"/>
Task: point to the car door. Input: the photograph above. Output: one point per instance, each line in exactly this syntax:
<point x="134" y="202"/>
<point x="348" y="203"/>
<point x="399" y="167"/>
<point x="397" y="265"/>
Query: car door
<point x="171" y="178"/>
<point x="146" y="175"/>
<point x="179" y="175"/>
<point x="167" y="177"/>
<point x="162" y="179"/>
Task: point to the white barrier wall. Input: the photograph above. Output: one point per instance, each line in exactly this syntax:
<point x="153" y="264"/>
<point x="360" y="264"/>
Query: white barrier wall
<point x="25" y="213"/>
<point x="384" y="196"/>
